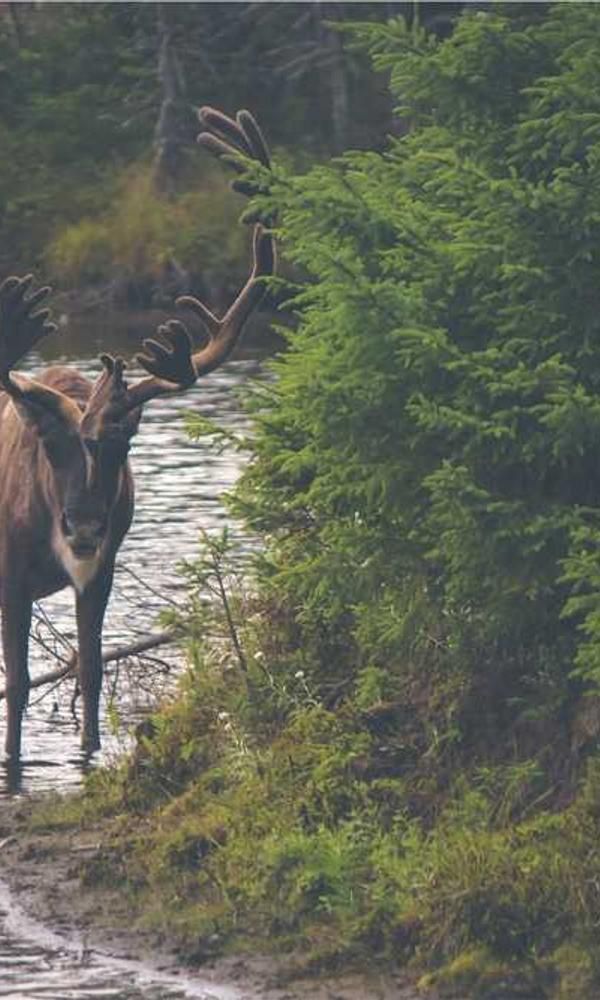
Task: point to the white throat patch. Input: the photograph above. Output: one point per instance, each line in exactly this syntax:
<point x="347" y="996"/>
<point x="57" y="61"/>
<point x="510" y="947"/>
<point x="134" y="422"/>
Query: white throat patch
<point x="80" y="571"/>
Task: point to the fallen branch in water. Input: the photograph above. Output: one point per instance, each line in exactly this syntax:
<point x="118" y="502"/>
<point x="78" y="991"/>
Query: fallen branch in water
<point x="109" y="656"/>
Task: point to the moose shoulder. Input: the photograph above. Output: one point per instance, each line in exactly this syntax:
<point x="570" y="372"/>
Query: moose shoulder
<point x="66" y="489"/>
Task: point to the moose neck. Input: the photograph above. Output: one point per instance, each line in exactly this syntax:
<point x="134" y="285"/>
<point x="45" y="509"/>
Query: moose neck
<point x="81" y="571"/>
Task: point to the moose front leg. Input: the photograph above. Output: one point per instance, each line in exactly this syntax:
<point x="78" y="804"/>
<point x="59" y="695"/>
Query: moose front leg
<point x="91" y="605"/>
<point x="16" y="621"/>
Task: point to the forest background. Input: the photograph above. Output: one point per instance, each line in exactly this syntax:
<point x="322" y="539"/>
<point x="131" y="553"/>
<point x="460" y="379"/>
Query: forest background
<point x="101" y="184"/>
<point x="398" y="757"/>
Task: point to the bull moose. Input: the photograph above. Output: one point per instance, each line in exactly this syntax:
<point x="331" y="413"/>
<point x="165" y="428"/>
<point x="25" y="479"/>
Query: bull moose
<point x="66" y="487"/>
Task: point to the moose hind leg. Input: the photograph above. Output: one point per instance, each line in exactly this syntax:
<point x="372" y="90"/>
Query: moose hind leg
<point x="16" y="621"/>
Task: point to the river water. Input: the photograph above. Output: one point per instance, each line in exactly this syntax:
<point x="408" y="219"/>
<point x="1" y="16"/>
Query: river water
<point x="179" y="487"/>
<point x="37" y="964"/>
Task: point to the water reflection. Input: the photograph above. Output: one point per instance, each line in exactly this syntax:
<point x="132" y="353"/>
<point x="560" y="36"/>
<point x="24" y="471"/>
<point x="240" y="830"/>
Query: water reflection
<point x="15" y="775"/>
<point x="31" y="973"/>
<point x="38" y="964"/>
<point x="179" y="487"/>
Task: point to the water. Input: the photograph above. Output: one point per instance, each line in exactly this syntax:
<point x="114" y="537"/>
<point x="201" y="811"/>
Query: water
<point x="179" y="485"/>
<point x="37" y="964"/>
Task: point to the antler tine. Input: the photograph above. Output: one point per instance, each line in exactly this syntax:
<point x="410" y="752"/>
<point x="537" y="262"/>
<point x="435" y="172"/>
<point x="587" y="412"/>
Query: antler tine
<point x="170" y="358"/>
<point x="21" y="328"/>
<point x="169" y="361"/>
<point x="224" y="333"/>
<point x="229" y="138"/>
<point x="225" y="130"/>
<point x="256" y="140"/>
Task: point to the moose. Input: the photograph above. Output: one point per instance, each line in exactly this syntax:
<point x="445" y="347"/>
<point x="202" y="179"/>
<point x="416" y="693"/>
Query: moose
<point x="66" y="490"/>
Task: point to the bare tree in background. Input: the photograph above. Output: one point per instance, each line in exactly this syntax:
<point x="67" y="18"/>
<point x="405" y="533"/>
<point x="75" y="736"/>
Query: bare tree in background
<point x="14" y="13"/>
<point x="172" y="132"/>
<point x="333" y="69"/>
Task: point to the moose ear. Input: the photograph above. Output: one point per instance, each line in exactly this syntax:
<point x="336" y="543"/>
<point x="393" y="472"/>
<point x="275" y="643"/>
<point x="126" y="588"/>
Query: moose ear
<point x="50" y="414"/>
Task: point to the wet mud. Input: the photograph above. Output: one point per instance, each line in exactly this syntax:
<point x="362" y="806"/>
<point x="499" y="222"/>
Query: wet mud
<point x="61" y="939"/>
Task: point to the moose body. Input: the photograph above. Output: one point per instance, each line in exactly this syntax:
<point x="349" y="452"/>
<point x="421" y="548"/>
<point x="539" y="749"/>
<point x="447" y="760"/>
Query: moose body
<point x="32" y="500"/>
<point x="41" y="493"/>
<point x="66" y="489"/>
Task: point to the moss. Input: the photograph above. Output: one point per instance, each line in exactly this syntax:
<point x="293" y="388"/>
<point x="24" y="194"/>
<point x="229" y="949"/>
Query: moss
<point x="101" y="798"/>
<point x="478" y="974"/>
<point x="576" y="970"/>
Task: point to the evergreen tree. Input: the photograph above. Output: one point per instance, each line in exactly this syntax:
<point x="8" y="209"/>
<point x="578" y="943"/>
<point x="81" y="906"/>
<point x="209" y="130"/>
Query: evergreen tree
<point x="426" y="465"/>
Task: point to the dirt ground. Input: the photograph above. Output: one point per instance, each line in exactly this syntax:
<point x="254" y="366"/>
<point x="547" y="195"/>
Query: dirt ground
<point x="42" y="873"/>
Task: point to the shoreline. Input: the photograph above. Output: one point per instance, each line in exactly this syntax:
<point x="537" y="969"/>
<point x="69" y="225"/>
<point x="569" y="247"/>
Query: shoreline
<point x="46" y="900"/>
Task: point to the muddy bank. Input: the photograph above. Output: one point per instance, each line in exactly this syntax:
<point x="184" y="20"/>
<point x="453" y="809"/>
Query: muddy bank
<point x="43" y="875"/>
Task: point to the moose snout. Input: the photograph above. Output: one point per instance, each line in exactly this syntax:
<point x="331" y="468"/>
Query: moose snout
<point x="84" y="548"/>
<point x="84" y="538"/>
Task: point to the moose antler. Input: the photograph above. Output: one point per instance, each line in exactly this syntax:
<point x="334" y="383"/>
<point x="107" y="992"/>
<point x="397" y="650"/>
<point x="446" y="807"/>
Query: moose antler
<point x="230" y="138"/>
<point x="21" y="327"/>
<point x="169" y="360"/>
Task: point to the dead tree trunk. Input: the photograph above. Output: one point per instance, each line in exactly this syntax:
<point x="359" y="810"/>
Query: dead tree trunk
<point x="14" y="14"/>
<point x="171" y="132"/>
<point x="336" y="79"/>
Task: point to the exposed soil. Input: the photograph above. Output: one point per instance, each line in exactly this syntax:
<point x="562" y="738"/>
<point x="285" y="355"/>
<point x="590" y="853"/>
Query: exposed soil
<point x="42" y="871"/>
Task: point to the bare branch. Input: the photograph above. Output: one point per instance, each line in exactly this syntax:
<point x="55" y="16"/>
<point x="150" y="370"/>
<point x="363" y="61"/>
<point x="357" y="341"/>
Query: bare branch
<point x="109" y="656"/>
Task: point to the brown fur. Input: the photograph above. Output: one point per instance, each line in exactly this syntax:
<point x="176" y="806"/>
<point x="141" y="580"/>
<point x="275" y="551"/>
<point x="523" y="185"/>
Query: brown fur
<point x="27" y="496"/>
<point x="30" y="509"/>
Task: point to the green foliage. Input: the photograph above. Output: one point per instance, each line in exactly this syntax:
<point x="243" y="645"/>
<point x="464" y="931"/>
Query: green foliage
<point x="424" y="477"/>
<point x="82" y="253"/>
<point x="435" y="422"/>
<point x="142" y="232"/>
<point x="80" y="100"/>
<point x="66" y="118"/>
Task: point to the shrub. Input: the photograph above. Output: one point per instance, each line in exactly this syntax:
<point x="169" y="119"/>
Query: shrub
<point x="142" y="233"/>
